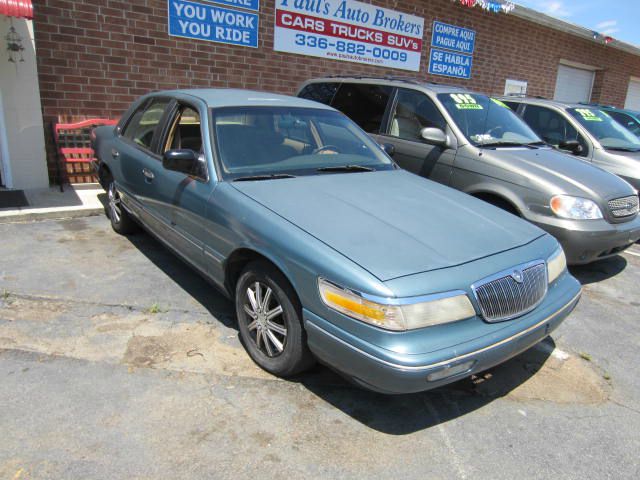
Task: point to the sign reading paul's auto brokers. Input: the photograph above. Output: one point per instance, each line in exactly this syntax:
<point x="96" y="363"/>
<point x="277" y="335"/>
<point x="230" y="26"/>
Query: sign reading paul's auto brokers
<point x="214" y="23"/>
<point x="350" y="31"/>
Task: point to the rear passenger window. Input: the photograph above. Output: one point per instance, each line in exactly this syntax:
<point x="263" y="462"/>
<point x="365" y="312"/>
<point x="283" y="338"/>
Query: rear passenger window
<point x="143" y="123"/>
<point x="319" y="92"/>
<point x="413" y="112"/>
<point x="364" y="104"/>
<point x="552" y="127"/>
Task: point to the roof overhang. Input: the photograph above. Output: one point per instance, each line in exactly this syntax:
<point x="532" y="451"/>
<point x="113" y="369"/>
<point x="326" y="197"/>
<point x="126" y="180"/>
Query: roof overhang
<point x="17" y="8"/>
<point x="567" y="27"/>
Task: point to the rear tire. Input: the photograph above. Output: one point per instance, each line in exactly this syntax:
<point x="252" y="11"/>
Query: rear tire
<point x="270" y="321"/>
<point x="121" y="221"/>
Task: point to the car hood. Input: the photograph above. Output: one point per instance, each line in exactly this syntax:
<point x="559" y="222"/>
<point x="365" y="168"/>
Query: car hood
<point x="392" y="223"/>
<point x="556" y="172"/>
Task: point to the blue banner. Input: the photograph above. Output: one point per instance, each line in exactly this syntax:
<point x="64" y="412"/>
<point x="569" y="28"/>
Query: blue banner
<point x="453" y="38"/>
<point x="450" y="64"/>
<point x="248" y="4"/>
<point x="214" y="24"/>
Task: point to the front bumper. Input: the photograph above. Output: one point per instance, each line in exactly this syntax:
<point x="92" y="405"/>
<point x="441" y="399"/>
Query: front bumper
<point x="381" y="371"/>
<point x="590" y="240"/>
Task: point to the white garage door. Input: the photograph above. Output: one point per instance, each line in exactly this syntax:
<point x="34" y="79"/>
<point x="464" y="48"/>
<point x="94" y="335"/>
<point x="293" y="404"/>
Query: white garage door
<point x="633" y="95"/>
<point x="573" y="84"/>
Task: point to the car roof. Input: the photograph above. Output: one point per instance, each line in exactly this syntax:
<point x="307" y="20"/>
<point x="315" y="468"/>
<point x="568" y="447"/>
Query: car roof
<point x="406" y="82"/>
<point x="233" y="97"/>
<point x="546" y="101"/>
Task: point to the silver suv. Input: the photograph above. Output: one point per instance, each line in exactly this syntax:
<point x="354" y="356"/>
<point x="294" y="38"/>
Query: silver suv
<point x="477" y="144"/>
<point x="585" y="131"/>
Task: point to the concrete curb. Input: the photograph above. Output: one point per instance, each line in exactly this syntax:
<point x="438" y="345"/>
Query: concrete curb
<point x="50" y="214"/>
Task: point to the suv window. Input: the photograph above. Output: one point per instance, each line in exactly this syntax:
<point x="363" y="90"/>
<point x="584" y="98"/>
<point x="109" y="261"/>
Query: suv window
<point x="552" y="126"/>
<point x="364" y="104"/>
<point x="627" y="121"/>
<point x="144" y="121"/>
<point x="413" y="112"/>
<point x="512" y="105"/>
<point x="319" y="92"/>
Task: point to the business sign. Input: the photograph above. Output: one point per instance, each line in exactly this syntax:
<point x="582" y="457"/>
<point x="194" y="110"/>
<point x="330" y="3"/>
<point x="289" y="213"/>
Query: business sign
<point x="212" y="23"/>
<point x="248" y="4"/>
<point x="349" y="31"/>
<point x="453" y="38"/>
<point x="450" y="64"/>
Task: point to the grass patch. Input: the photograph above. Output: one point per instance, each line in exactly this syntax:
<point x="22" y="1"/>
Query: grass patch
<point x="155" y="308"/>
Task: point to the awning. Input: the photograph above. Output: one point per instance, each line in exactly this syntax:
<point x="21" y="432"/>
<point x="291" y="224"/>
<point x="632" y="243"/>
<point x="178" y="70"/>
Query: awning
<point x="17" y="8"/>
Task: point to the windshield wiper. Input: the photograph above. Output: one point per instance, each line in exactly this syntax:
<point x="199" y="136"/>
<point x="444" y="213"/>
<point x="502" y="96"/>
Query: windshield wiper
<point x="345" y="168"/>
<point x="274" y="176"/>
<point x="623" y="149"/>
<point x="507" y="144"/>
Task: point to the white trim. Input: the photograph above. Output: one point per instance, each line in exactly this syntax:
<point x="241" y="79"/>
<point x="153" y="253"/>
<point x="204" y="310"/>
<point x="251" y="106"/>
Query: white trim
<point x="5" y="161"/>
<point x="571" y="28"/>
<point x="581" y="66"/>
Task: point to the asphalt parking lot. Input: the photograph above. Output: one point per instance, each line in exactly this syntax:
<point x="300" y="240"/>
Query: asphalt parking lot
<point x="117" y="361"/>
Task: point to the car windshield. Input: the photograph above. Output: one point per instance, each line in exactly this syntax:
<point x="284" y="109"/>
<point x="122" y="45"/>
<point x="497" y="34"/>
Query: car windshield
<point x="628" y="121"/>
<point x="486" y="121"/>
<point x="284" y="141"/>
<point x="606" y="130"/>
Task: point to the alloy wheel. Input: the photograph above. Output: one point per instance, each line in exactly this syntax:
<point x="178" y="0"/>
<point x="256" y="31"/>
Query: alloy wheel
<point x="114" y="203"/>
<point x="266" y="322"/>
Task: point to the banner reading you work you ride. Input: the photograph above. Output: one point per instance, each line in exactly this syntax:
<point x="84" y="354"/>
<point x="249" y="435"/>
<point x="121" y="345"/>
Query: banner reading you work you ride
<point x="350" y="31"/>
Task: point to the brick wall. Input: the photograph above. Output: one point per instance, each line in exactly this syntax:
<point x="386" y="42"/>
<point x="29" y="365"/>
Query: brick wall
<point x="96" y="56"/>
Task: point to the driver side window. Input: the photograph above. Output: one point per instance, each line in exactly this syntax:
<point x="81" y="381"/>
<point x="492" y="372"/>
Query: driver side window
<point x="185" y="134"/>
<point x="413" y="112"/>
<point x="143" y="123"/>
<point x="552" y="127"/>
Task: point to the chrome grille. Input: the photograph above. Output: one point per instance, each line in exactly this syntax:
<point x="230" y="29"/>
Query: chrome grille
<point x="503" y="296"/>
<point x="624" y="207"/>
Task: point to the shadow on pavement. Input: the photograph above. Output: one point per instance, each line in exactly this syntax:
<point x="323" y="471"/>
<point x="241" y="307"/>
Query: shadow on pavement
<point x="405" y="414"/>
<point x="187" y="278"/>
<point x="600" y="270"/>
<point x="391" y="414"/>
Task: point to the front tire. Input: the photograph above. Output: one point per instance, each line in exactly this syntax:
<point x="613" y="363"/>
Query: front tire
<point x="270" y="321"/>
<point x="121" y="221"/>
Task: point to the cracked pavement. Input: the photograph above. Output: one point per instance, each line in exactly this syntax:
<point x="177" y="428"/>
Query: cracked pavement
<point x="116" y="360"/>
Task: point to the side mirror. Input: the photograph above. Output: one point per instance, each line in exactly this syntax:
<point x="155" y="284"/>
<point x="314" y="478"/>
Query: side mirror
<point x="389" y="149"/>
<point x="183" y="161"/>
<point x="572" y="146"/>
<point x="434" y="136"/>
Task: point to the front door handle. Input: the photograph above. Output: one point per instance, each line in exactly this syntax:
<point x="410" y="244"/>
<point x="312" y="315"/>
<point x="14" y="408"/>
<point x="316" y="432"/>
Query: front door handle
<point x="115" y="153"/>
<point x="149" y="175"/>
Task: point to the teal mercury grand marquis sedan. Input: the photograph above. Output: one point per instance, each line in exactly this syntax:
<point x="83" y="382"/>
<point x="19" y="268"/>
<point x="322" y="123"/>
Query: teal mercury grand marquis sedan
<point x="329" y="250"/>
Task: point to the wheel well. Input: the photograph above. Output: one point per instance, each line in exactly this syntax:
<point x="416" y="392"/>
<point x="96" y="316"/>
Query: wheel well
<point x="103" y="174"/>
<point x="236" y="263"/>
<point x="498" y="201"/>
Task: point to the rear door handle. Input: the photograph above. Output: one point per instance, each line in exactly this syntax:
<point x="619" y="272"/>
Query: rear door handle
<point x="115" y="153"/>
<point x="149" y="175"/>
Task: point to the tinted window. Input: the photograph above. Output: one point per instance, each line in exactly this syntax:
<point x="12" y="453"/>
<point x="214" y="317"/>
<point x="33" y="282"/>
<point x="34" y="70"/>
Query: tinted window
<point x="486" y="121"/>
<point x="364" y="104"/>
<point x="413" y="112"/>
<point x="319" y="92"/>
<point x="142" y="125"/>
<point x="627" y="121"/>
<point x="512" y="105"/>
<point x="609" y="133"/>
<point x="297" y="141"/>
<point x="552" y="126"/>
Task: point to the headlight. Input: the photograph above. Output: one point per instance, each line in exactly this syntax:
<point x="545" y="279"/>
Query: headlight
<point x="575" y="208"/>
<point x="398" y="315"/>
<point x="556" y="264"/>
